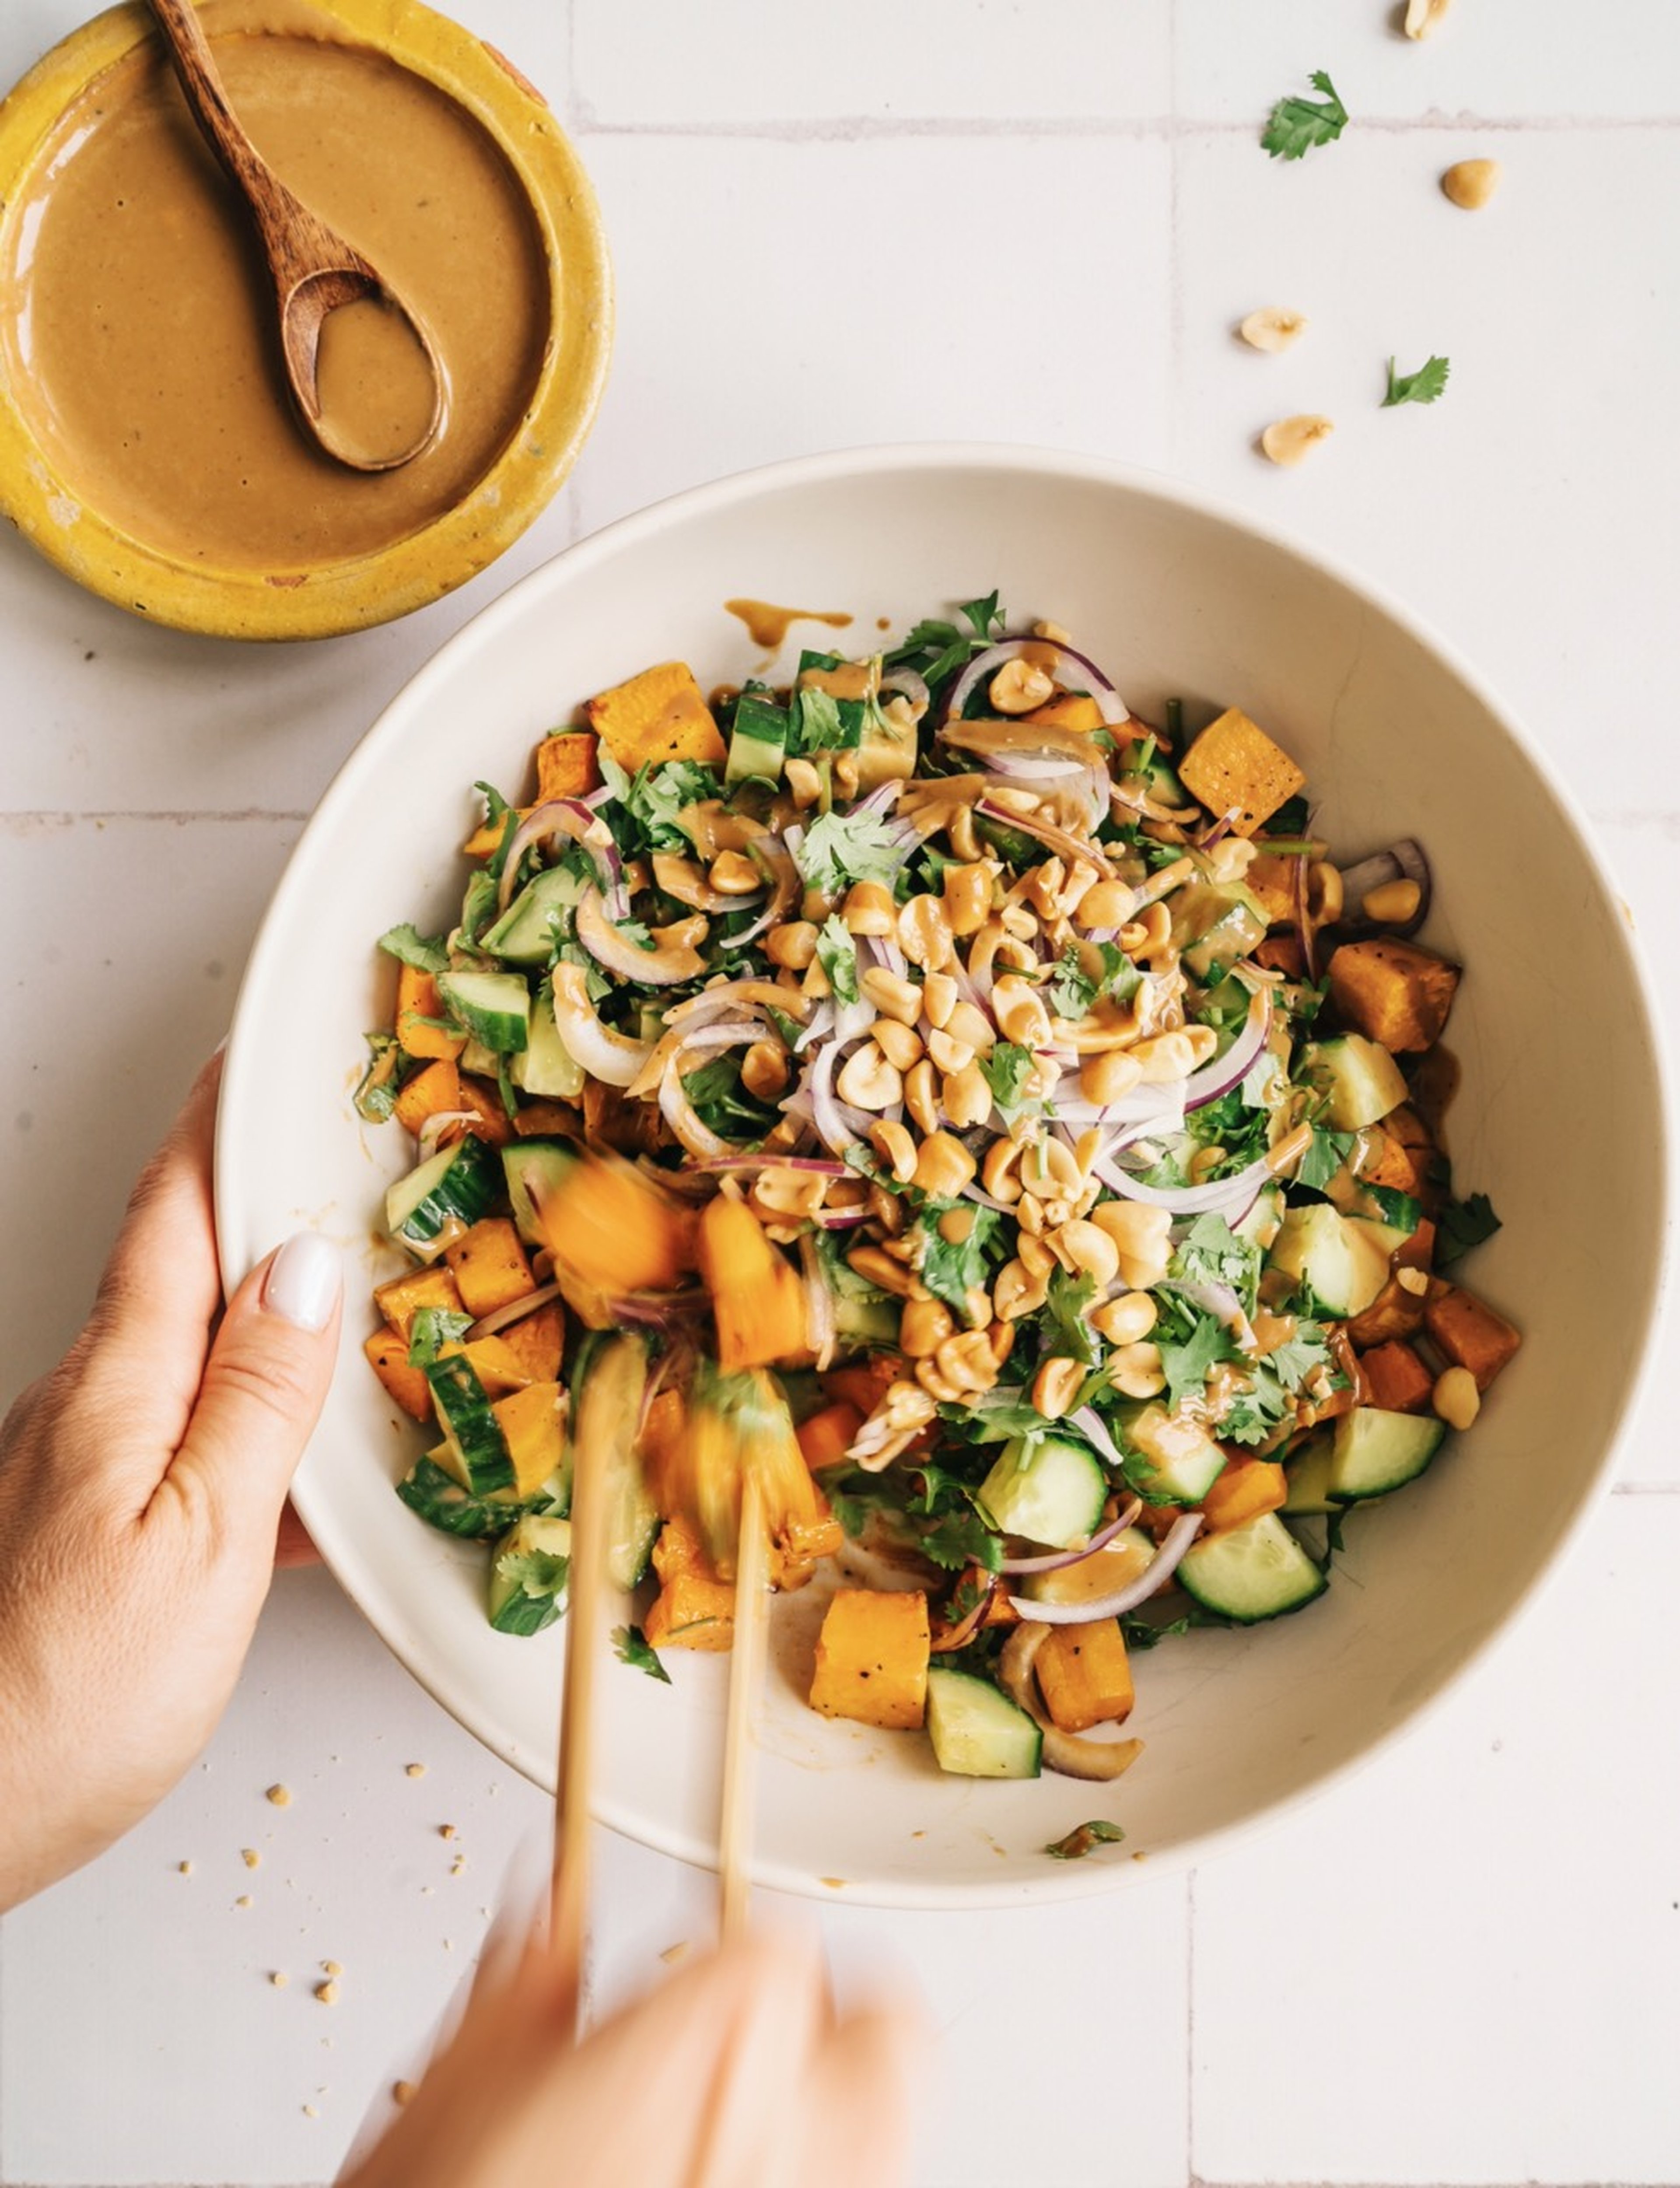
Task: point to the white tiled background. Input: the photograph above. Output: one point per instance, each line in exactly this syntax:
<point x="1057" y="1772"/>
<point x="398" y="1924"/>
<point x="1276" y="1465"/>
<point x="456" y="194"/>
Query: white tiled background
<point x="1009" y="219"/>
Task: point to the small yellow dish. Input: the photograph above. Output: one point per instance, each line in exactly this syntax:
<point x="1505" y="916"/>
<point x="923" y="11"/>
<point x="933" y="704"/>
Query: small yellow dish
<point x="146" y="444"/>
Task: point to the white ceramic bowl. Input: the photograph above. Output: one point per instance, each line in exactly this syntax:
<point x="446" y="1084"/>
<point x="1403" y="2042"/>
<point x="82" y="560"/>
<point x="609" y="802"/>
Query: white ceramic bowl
<point x="1559" y="1118"/>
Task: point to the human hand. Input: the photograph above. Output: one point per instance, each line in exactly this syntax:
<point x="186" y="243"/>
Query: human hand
<point x="737" y="2072"/>
<point x="141" y="1488"/>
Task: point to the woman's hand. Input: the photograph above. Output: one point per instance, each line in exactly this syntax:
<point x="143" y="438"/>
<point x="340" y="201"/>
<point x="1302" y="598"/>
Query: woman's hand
<point x="737" y="2072"/>
<point x="141" y="1484"/>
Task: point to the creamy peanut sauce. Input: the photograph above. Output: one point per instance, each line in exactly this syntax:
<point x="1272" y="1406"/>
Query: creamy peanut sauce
<point x="768" y="625"/>
<point x="139" y="332"/>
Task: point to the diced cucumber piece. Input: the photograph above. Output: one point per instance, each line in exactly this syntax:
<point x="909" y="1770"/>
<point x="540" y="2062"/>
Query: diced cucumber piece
<point x="1255" y="1572"/>
<point x="494" y="1007"/>
<point x="478" y="1062"/>
<point x="1375" y="1452"/>
<point x="863" y="1314"/>
<point x="978" y="1732"/>
<point x="529" y="1575"/>
<point x="758" y="741"/>
<point x="1259" y="1228"/>
<point x="1338" y="1258"/>
<point x="525" y="935"/>
<point x="442" y="1502"/>
<point x="1215" y="924"/>
<point x="536" y="1171"/>
<point x="607" y="1381"/>
<point x="477" y="1451"/>
<point x="1103" y="1573"/>
<point x="633" y="1520"/>
<point x="1046" y="1490"/>
<point x="430" y="1207"/>
<point x="1307" y="1476"/>
<point x="1360" y="1080"/>
<point x="1172" y="1459"/>
<point x="545" y="1066"/>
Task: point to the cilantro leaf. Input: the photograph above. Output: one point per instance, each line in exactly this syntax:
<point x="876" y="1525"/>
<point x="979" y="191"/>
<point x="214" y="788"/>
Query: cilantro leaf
<point x="1463" y="1224"/>
<point x="838" y="954"/>
<point x="1326" y="1153"/>
<point x="1065" y="1328"/>
<point x="984" y="617"/>
<point x="1211" y="1253"/>
<point x="1071" y="990"/>
<point x="426" y="954"/>
<point x="1427" y="385"/>
<point x="432" y="1328"/>
<point x="1187" y="1364"/>
<point x="376" y="1091"/>
<point x="1006" y="1071"/>
<point x="848" y="846"/>
<point x="960" y="1538"/>
<point x="1297" y="126"/>
<point x="822" y="727"/>
<point x="951" y="1271"/>
<point x="630" y="1645"/>
<point x="721" y="1102"/>
<point x="537" y="1582"/>
<point x="1084" y="1839"/>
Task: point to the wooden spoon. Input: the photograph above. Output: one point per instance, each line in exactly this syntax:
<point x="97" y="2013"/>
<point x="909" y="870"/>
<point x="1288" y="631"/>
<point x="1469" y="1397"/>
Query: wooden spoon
<point x="385" y="398"/>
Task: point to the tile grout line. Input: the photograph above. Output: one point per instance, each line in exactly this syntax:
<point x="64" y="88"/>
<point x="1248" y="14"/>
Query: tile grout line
<point x="1191" y="2180"/>
<point x="845" y="129"/>
<point x="67" y="816"/>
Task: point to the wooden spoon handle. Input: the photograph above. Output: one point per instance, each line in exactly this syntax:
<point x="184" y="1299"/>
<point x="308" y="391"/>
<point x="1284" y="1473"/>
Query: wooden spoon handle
<point x="747" y="1682"/>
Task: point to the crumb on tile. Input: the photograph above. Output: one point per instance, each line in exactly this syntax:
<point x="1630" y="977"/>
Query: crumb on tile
<point x="671" y="1954"/>
<point x="458" y="1866"/>
<point x="414" y="1770"/>
<point x="310" y="2112"/>
<point x="250" y="1857"/>
<point x="332" y="1968"/>
<point x="244" y="1899"/>
<point x="280" y="1978"/>
<point x="401" y="2092"/>
<point x="327" y="1992"/>
<point x="280" y="1796"/>
<point x="184" y="1866"/>
<point x="447" y="1831"/>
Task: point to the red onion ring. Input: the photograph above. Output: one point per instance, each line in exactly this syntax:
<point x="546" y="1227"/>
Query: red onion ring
<point x="1059" y="1560"/>
<point x="1406" y="861"/>
<point x="910" y="685"/>
<point x="431" y="1133"/>
<point x="1221" y="1193"/>
<point x="1231" y="1069"/>
<point x="1109" y="704"/>
<point x="821" y="1333"/>
<point x="777" y="864"/>
<point x="504" y="1318"/>
<point x="568" y="817"/>
<point x="610" y="1057"/>
<point x="1083" y="849"/>
<point x="1074" y="1757"/>
<point x="666" y="967"/>
<point x="1150" y="1582"/>
<point x="684" y="1119"/>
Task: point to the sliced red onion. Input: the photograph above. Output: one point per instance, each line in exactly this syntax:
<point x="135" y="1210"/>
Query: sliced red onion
<point x="737" y="995"/>
<point x="1407" y="861"/>
<point x="1094" y="1428"/>
<point x="665" y="968"/>
<point x="432" y="1131"/>
<point x="821" y="1333"/>
<point x="906" y="682"/>
<point x="1140" y="802"/>
<point x="684" y="1119"/>
<point x="1231" y="1069"/>
<point x="1058" y="1560"/>
<point x="571" y="818"/>
<point x="1084" y="675"/>
<point x="840" y="1219"/>
<point x="885" y="795"/>
<point x="1066" y="1751"/>
<point x="838" y="1126"/>
<point x="657" y="1308"/>
<point x="1051" y="766"/>
<point x="504" y="1318"/>
<point x="1217" y="831"/>
<point x="777" y="864"/>
<point x="1045" y="831"/>
<point x="1153" y="1577"/>
<point x="609" y="1057"/>
<point x="1188" y="1199"/>
<point x="716" y="1034"/>
<point x="811" y="1166"/>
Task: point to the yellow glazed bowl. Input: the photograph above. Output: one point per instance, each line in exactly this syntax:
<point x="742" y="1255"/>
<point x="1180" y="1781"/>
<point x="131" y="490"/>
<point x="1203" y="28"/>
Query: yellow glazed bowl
<point x="157" y="579"/>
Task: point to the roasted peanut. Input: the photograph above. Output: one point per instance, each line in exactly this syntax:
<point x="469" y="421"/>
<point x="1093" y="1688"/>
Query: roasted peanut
<point x="1017" y="1291"/>
<point x="895" y="1148"/>
<point x="793" y="945"/>
<point x="1143" y="1236"/>
<point x="964" y="1023"/>
<point x="1291" y="439"/>
<point x="949" y="1055"/>
<point x="1019" y="687"/>
<point x="922" y="1097"/>
<point x="965" y="1098"/>
<point x="734" y="874"/>
<point x="1087" y="1247"/>
<point x="1136" y="1370"/>
<point x="967" y="895"/>
<point x="901" y="1044"/>
<point x="1104" y="904"/>
<point x="894" y="997"/>
<point x="805" y="784"/>
<point x="1392" y="903"/>
<point x="923" y="1328"/>
<point x="763" y="1070"/>
<point x="1123" y="1321"/>
<point x="869" y="908"/>
<point x="1021" y="1017"/>
<point x="1109" y="1075"/>
<point x="1272" y="328"/>
<point x="1469" y="183"/>
<point x="998" y="1172"/>
<point x="877" y="1267"/>
<point x="867" y="1080"/>
<point x="939" y="994"/>
<point x="924" y="933"/>
<point x="1055" y="1385"/>
<point x="942" y="1166"/>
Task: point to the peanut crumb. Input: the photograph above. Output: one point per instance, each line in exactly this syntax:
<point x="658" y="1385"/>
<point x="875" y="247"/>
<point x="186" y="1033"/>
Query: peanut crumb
<point x="675" y="1953"/>
<point x="310" y="2112"/>
<point x="1291" y="438"/>
<point x="244" y="1899"/>
<point x="414" y="1770"/>
<point x="1272" y="328"/>
<point x="327" y="1993"/>
<point x="280" y="1796"/>
<point x="401" y="2092"/>
<point x="250" y="1857"/>
<point x="280" y="1978"/>
<point x="332" y="1968"/>
<point x="184" y="1866"/>
<point x="447" y="1831"/>
<point x="458" y="1866"/>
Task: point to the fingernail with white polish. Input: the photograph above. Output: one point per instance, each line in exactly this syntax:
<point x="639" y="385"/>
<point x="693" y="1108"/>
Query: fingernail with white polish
<point x="304" y="1281"/>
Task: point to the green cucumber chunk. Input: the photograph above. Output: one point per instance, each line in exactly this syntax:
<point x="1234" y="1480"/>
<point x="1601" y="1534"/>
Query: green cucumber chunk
<point x="1360" y="1080"/>
<point x="1342" y="1260"/>
<point x="527" y="930"/>
<point x="1375" y="1452"/>
<point x="529" y="1575"/>
<point x="1255" y="1572"/>
<point x="535" y="1170"/>
<point x="978" y="1732"/>
<point x="1170" y="1460"/>
<point x="443" y="1502"/>
<point x="1307" y="1476"/>
<point x="1046" y="1490"/>
<point x="477" y="1451"/>
<point x="545" y="1067"/>
<point x="758" y="740"/>
<point x="494" y="1007"/>
<point x="430" y="1207"/>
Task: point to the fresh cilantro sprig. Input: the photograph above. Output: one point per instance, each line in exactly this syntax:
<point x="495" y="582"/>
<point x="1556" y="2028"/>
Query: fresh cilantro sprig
<point x="839" y="848"/>
<point x="631" y="1646"/>
<point x="1297" y="126"/>
<point x="425" y="953"/>
<point x="951" y="1269"/>
<point x="432" y="1328"/>
<point x="937" y="650"/>
<point x="1007" y="1069"/>
<point x="1463" y="1224"/>
<point x="838" y="954"/>
<point x="1427" y="385"/>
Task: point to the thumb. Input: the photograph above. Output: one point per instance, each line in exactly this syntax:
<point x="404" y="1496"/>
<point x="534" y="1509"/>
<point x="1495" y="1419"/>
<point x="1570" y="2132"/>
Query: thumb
<point x="264" y="1384"/>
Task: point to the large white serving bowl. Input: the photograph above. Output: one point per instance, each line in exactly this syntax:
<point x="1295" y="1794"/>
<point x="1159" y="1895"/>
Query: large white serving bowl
<point x="1560" y="1119"/>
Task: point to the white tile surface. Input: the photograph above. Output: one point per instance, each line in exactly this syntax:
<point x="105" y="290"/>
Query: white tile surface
<point x="758" y="63"/>
<point x="959" y="217"/>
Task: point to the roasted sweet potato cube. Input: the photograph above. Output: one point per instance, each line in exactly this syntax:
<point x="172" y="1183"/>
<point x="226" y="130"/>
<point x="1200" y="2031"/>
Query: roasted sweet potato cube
<point x="401" y="1299"/>
<point x="487" y="837"/>
<point x="1072" y="710"/>
<point x="872" y="1657"/>
<point x="1396" y="1311"/>
<point x="1083" y="1673"/>
<point x="489" y="1265"/>
<point x="429" y="1092"/>
<point x="1282" y="953"/>
<point x="566" y="765"/>
<point x="1274" y="881"/>
<point x="1468" y="1331"/>
<point x="537" y="1340"/>
<point x="826" y="1436"/>
<point x="388" y="1354"/>
<point x="1393" y="991"/>
<point x="1401" y="1153"/>
<point x="614" y="1231"/>
<point x="417" y="1000"/>
<point x="1234" y="767"/>
<point x="656" y="716"/>
<point x="804" y="1540"/>
<point x="498" y="1367"/>
<point x="533" y="1422"/>
<point x="1396" y="1380"/>
<point x="693" y="1608"/>
<point x="482" y="1102"/>
<point x="547" y="1121"/>
<point x="1248" y="1487"/>
<point x="757" y="1296"/>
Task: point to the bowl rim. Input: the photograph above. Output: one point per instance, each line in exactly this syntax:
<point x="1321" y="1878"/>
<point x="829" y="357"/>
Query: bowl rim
<point x="331" y="598"/>
<point x="429" y="1667"/>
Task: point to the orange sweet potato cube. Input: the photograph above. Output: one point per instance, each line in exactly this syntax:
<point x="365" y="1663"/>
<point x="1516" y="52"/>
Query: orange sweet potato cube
<point x="1072" y="710"/>
<point x="1248" y="1487"/>
<point x="418" y="999"/>
<point x="1403" y="1152"/>
<point x="489" y="1265"/>
<point x="1468" y="1331"/>
<point x="537" y="1340"/>
<point x="1083" y="1673"/>
<point x="1393" y="991"/>
<point x="1394" y="1380"/>
<point x="693" y="1608"/>
<point x="872" y="1662"/>
<point x="498" y="1367"/>
<point x="401" y="1299"/>
<point x="566" y="765"/>
<point x="487" y="836"/>
<point x="482" y="1101"/>
<point x="388" y="1353"/>
<point x="656" y="716"/>
<point x="826" y="1436"/>
<point x="533" y="1422"/>
<point x="429" y="1092"/>
<point x="1234" y="767"/>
